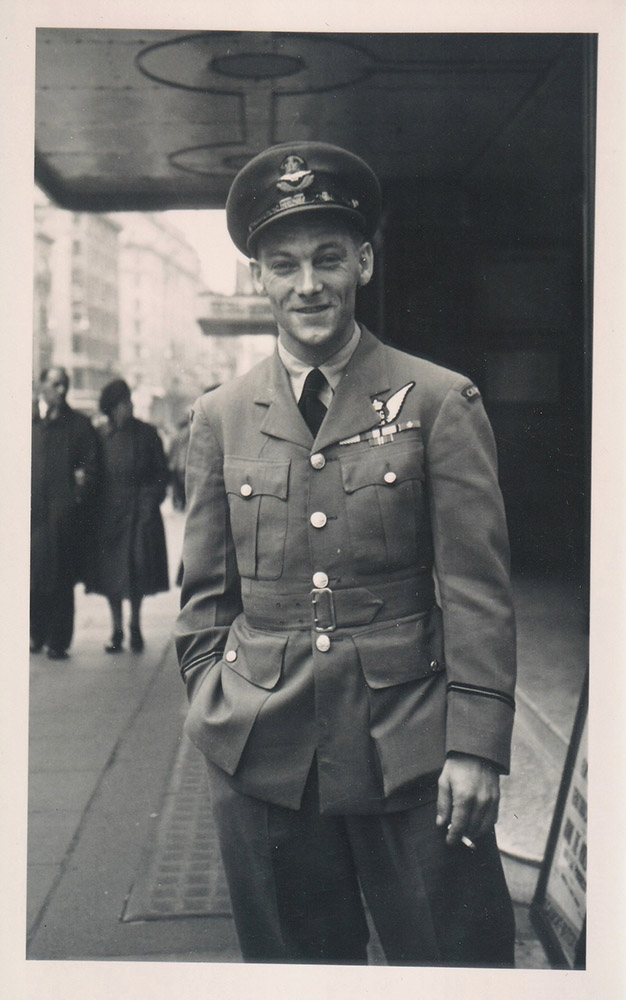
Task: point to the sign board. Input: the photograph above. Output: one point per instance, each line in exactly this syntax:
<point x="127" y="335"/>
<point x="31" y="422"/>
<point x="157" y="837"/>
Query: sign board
<point x="558" y="910"/>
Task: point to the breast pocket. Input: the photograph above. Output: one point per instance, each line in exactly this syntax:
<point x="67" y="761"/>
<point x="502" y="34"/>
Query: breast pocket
<point x="257" y="492"/>
<point x="384" y="490"/>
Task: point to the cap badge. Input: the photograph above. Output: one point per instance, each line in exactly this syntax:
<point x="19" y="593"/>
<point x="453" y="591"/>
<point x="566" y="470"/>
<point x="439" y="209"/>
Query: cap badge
<point x="295" y="176"/>
<point x="388" y="410"/>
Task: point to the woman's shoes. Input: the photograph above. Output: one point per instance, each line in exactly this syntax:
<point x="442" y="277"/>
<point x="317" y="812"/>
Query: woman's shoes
<point x="136" y="639"/>
<point x="115" y="645"/>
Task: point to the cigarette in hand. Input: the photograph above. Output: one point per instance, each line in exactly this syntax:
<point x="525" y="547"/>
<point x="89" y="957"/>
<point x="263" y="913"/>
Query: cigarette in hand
<point x="466" y="841"/>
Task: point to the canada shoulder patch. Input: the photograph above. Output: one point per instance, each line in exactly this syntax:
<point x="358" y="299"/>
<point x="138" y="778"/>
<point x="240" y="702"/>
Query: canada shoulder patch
<point x="471" y="392"/>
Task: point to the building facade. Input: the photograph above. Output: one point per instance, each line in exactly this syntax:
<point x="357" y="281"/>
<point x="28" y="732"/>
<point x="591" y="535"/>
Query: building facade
<point x="123" y="295"/>
<point x="161" y="352"/>
<point x="239" y="330"/>
<point x="76" y="304"/>
<point x="116" y="295"/>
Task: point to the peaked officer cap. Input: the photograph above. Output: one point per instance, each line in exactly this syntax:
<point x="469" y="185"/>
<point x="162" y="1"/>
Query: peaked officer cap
<point x="298" y="177"/>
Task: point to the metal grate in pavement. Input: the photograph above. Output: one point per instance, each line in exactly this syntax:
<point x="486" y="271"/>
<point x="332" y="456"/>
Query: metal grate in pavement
<point x="181" y="873"/>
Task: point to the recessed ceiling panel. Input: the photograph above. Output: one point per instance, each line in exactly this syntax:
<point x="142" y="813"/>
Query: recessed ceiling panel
<point x="167" y="118"/>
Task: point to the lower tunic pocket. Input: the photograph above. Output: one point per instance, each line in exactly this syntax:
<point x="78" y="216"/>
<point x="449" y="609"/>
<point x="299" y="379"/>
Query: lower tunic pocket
<point x="404" y="671"/>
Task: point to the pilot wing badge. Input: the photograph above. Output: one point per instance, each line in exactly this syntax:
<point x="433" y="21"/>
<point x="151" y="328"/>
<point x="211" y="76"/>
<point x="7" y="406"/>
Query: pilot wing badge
<point x="388" y="411"/>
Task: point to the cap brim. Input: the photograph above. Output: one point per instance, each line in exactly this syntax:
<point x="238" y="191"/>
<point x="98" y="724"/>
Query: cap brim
<point x="330" y="210"/>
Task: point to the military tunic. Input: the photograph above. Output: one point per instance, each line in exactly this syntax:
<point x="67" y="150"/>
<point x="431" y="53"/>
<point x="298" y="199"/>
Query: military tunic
<point x="346" y="598"/>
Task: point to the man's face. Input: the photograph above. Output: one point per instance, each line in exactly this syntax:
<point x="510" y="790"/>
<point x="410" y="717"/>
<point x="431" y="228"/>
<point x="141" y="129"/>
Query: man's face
<point x="54" y="388"/>
<point x="122" y="412"/>
<point x="310" y="271"/>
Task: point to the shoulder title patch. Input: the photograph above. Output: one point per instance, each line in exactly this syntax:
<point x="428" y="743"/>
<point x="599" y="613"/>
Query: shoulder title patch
<point x="471" y="392"/>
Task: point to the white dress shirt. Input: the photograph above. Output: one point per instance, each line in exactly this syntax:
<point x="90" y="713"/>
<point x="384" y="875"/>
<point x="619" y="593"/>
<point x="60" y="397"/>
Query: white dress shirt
<point x="332" y="368"/>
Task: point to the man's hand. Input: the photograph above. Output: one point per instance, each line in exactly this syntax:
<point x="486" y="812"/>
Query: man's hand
<point x="469" y="794"/>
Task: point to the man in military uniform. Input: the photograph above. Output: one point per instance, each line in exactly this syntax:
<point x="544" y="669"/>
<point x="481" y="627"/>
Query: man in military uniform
<point x="346" y="633"/>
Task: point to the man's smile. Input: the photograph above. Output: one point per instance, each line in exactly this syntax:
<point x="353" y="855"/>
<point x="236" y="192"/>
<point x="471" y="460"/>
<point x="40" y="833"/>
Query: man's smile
<point x="310" y="274"/>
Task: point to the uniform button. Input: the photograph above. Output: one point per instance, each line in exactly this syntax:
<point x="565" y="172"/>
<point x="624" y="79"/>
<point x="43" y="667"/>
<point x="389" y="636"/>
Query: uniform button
<point x="320" y="580"/>
<point x="323" y="643"/>
<point x="390" y="478"/>
<point x="317" y="460"/>
<point x="245" y="490"/>
<point x="434" y="665"/>
<point x="231" y="656"/>
<point x="318" y="519"/>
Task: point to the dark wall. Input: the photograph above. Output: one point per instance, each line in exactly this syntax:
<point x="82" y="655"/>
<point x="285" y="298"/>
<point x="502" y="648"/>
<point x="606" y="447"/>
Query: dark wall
<point x="491" y="275"/>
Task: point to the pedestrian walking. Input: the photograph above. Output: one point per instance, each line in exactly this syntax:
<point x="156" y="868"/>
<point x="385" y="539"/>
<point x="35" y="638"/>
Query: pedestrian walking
<point x="346" y="634"/>
<point x="130" y="549"/>
<point x="64" y="470"/>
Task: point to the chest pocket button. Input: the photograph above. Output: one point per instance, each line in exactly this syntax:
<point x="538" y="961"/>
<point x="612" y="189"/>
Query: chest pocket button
<point x="390" y="478"/>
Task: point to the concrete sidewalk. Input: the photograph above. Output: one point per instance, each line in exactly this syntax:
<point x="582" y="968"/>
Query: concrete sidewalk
<point x="104" y="733"/>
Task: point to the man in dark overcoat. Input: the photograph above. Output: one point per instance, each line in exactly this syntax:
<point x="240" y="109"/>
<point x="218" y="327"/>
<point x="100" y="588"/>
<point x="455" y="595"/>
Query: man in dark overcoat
<point x="64" y="472"/>
<point x="346" y="635"/>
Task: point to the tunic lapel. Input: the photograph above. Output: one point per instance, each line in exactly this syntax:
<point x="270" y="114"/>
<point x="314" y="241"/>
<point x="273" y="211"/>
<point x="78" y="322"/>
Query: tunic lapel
<point x="282" y="418"/>
<point x="351" y="410"/>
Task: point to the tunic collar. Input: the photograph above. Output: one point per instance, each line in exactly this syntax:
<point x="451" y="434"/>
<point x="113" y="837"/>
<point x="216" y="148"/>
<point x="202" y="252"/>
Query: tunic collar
<point x="332" y="368"/>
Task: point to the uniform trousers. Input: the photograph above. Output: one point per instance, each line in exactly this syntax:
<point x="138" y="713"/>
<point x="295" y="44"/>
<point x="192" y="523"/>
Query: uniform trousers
<point x="297" y="881"/>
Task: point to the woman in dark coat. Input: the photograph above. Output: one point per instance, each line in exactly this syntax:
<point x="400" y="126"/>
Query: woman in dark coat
<point x="131" y="553"/>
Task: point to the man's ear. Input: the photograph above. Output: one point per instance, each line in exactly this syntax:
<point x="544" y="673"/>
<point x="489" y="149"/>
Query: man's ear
<point x="366" y="263"/>
<point x="255" y="273"/>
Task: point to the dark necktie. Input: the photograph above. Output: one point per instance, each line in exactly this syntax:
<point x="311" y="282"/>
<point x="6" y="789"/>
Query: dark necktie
<point x="310" y="405"/>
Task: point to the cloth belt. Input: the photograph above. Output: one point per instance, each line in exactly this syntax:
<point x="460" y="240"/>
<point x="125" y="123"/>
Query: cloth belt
<point x="324" y="609"/>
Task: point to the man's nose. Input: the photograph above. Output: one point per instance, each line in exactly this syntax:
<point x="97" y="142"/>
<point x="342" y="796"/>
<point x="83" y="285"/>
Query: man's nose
<point x="308" y="282"/>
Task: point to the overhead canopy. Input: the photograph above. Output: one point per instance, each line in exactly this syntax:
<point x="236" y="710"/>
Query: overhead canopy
<point x="160" y="119"/>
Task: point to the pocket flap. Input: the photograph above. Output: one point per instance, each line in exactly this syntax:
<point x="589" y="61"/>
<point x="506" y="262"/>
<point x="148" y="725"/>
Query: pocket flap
<point x="254" y="655"/>
<point x="386" y="464"/>
<point x="248" y="477"/>
<point x="407" y="650"/>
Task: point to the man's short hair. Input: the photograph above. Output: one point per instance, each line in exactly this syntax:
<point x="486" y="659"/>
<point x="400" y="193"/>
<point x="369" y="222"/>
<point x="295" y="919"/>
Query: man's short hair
<point x="55" y="368"/>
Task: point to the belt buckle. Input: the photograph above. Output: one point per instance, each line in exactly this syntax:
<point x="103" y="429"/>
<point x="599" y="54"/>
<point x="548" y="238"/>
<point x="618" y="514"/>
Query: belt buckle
<point x="318" y="602"/>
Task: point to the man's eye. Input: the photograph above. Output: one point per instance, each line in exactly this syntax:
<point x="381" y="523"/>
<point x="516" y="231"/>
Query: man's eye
<point x="328" y="260"/>
<point x="282" y="267"/>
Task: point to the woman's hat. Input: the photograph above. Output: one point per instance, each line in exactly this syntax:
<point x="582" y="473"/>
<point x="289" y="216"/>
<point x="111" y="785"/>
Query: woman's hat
<point x="112" y="394"/>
